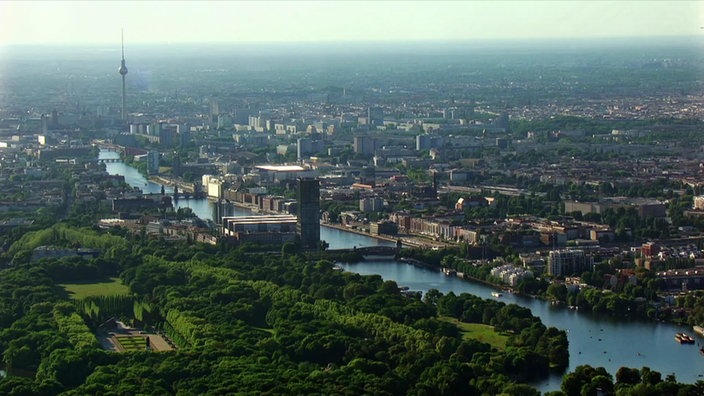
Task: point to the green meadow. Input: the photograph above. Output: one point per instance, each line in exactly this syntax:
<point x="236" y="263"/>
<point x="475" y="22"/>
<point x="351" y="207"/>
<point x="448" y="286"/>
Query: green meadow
<point x="480" y="332"/>
<point x="109" y="287"/>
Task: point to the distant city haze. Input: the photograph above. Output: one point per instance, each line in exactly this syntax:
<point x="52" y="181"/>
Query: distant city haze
<point x="82" y="22"/>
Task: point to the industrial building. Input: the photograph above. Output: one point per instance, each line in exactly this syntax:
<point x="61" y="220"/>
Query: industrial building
<point x="275" y="173"/>
<point x="272" y="229"/>
<point x="646" y="207"/>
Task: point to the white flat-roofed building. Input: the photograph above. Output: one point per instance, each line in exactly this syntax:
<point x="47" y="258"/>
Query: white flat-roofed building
<point x="281" y="168"/>
<point x="255" y="224"/>
<point x="510" y="275"/>
<point x="698" y="202"/>
<point x="214" y="188"/>
<point x="284" y="172"/>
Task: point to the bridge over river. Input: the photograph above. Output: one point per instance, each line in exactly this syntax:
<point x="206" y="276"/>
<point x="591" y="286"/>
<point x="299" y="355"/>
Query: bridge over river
<point x="109" y="160"/>
<point x="377" y="251"/>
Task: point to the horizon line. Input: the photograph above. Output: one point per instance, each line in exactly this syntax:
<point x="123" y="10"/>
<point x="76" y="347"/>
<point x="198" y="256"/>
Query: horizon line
<point x="393" y="41"/>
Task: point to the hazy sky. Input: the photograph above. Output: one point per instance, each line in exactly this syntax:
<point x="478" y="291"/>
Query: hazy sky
<point x="87" y="22"/>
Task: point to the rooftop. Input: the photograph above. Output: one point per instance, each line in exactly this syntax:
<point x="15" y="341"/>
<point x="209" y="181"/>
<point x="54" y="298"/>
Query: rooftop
<point x="281" y="168"/>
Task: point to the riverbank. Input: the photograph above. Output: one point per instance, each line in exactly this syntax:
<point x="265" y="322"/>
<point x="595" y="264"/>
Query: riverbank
<point x="497" y="286"/>
<point x="242" y="205"/>
<point x="598" y="340"/>
<point x="412" y="241"/>
<point x="358" y="232"/>
<point x="416" y="263"/>
<point x="544" y="297"/>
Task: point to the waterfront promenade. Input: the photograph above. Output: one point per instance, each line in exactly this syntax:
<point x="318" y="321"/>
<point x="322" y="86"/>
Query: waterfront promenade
<point x="406" y="239"/>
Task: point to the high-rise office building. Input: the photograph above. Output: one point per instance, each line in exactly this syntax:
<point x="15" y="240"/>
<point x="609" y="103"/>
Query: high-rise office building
<point x="423" y="142"/>
<point x="308" y="226"/>
<point x="168" y="135"/>
<point x="303" y="146"/>
<point x="375" y="116"/>
<point x="214" y="111"/>
<point x="307" y="146"/>
<point x="364" y="145"/>
<point x="153" y="162"/>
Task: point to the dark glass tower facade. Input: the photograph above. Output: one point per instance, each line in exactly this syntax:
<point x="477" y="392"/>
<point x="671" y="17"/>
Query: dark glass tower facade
<point x="308" y="226"/>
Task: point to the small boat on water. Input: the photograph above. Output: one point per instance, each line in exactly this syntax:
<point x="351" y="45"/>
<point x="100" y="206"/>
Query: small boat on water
<point x="698" y="330"/>
<point x="683" y="338"/>
<point x="496" y="294"/>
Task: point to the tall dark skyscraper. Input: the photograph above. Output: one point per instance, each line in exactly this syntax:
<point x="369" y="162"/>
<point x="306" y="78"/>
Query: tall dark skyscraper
<point x="308" y="226"/>
<point x="123" y="72"/>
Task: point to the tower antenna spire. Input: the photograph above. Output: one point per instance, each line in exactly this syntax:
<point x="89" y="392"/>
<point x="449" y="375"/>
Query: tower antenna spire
<point x="123" y="72"/>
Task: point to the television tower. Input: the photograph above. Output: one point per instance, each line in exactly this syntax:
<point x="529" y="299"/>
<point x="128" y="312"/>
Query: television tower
<point x="123" y="72"/>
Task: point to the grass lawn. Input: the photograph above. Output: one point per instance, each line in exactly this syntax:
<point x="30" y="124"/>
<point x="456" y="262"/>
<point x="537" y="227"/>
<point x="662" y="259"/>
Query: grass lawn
<point x="132" y="344"/>
<point x="110" y="287"/>
<point x="481" y="332"/>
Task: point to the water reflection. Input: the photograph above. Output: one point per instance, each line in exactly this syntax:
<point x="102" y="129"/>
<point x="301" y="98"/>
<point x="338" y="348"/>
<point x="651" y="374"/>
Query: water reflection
<point x="594" y="340"/>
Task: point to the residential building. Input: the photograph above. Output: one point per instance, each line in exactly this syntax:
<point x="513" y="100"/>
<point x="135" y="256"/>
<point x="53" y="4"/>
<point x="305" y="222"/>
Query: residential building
<point x="567" y="262"/>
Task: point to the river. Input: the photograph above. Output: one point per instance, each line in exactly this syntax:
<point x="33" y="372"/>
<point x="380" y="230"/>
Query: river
<point x="597" y="341"/>
<point x="594" y="340"/>
<point x="207" y="209"/>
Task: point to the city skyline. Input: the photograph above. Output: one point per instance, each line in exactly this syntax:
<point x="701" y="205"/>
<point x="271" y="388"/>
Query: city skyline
<point x="69" y="22"/>
<point x="236" y="194"/>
